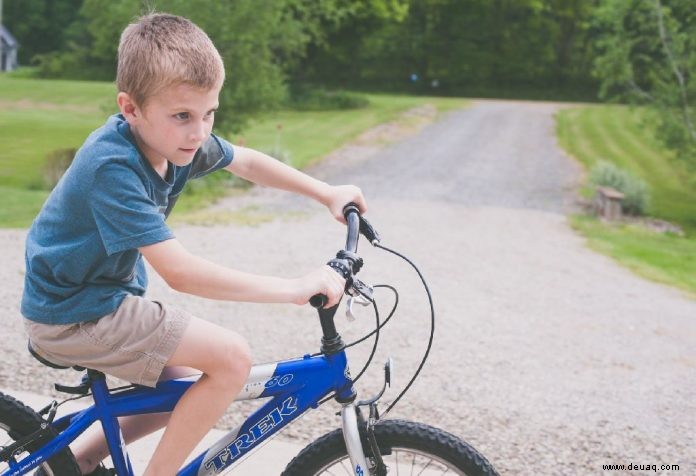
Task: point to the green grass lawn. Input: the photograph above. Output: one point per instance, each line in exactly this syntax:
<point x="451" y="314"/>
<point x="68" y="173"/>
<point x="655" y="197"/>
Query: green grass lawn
<point x="662" y="257"/>
<point x="310" y="135"/>
<point x="624" y="136"/>
<point x="40" y="116"/>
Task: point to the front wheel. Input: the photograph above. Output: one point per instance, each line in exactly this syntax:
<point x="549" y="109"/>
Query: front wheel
<point x="406" y="448"/>
<point x="16" y="421"/>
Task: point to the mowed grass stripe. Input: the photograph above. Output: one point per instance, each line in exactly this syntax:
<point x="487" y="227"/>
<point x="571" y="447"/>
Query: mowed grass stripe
<point x="612" y="148"/>
<point x="571" y="135"/>
<point x="625" y="138"/>
<point x="637" y="155"/>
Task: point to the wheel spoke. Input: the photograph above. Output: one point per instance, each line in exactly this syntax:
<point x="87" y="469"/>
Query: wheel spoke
<point x="425" y="467"/>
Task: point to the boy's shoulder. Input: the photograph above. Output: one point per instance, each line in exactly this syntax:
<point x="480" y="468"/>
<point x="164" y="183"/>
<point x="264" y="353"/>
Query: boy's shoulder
<point x="110" y="148"/>
<point x="113" y="140"/>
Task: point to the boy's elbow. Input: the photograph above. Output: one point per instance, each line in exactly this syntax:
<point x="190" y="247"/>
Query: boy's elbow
<point x="176" y="280"/>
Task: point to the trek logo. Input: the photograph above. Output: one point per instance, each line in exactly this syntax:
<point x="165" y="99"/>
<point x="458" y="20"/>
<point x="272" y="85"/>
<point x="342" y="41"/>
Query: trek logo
<point x="227" y="455"/>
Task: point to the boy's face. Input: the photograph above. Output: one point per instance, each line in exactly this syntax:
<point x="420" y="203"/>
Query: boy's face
<point x="173" y="124"/>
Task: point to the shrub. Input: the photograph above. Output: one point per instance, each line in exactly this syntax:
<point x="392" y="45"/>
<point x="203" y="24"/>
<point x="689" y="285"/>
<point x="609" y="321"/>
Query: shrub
<point x="635" y="190"/>
<point x="306" y="99"/>
<point x="57" y="162"/>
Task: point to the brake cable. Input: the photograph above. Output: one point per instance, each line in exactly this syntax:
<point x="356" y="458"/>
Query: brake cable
<point x="432" y="323"/>
<point x="376" y="331"/>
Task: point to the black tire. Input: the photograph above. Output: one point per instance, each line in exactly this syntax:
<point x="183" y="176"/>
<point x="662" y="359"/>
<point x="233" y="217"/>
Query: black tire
<point x="414" y="445"/>
<point x="18" y="420"/>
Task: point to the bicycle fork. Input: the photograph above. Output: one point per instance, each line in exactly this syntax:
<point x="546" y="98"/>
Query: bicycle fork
<point x="351" y="435"/>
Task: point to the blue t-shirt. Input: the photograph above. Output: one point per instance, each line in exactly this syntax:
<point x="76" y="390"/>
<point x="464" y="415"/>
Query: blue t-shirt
<point x="82" y="255"/>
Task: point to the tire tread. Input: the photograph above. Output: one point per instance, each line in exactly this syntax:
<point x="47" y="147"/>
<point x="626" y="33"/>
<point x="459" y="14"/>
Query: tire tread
<point x="401" y="433"/>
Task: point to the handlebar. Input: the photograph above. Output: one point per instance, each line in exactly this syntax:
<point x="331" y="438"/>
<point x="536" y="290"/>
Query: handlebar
<point x="346" y="262"/>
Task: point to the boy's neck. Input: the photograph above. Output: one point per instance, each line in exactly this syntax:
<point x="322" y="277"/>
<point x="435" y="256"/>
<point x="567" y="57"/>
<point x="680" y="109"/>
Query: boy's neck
<point x="159" y="164"/>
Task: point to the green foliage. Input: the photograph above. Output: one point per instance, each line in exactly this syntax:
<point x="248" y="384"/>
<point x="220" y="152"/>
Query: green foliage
<point x="625" y="136"/>
<point x="508" y="47"/>
<point x="23" y="72"/>
<point x="258" y="40"/>
<point x="635" y="190"/>
<point x="319" y="99"/>
<point x="39" y="25"/>
<point x="505" y="48"/>
<point x="646" y="54"/>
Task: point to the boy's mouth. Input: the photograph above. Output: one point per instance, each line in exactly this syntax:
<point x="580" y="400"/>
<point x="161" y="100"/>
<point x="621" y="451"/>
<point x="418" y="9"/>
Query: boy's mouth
<point x="188" y="151"/>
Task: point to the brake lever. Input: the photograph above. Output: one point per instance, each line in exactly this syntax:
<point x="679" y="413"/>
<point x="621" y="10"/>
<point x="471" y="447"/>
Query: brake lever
<point x="359" y="293"/>
<point x="360" y="300"/>
<point x="358" y="288"/>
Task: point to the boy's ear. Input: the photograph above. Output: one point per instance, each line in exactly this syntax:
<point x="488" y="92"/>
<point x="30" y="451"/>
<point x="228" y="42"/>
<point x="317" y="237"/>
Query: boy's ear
<point x="127" y="106"/>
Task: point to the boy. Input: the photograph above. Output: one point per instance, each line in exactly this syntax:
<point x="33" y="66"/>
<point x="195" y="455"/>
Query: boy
<point x="85" y="274"/>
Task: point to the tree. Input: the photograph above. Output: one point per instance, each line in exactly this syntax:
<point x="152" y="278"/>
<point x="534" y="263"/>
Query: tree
<point x="258" y="40"/>
<point x="647" y="55"/>
<point x="39" y="25"/>
<point x="462" y="46"/>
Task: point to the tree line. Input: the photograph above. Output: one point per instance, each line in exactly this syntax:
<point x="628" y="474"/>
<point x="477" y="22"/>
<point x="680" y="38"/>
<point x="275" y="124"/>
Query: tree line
<point x="628" y="50"/>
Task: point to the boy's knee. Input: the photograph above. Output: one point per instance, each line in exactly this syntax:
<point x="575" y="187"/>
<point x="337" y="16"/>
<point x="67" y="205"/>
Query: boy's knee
<point x="236" y="359"/>
<point x="242" y="357"/>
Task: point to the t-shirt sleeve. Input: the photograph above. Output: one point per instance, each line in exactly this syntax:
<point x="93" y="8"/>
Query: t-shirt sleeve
<point x="214" y="154"/>
<point x="125" y="215"/>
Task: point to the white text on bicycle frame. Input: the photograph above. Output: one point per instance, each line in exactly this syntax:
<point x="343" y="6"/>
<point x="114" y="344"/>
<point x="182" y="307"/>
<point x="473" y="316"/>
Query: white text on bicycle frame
<point x="225" y="456"/>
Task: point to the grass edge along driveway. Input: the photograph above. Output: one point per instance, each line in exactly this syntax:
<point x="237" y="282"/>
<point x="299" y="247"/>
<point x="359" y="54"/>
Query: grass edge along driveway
<point x="622" y="135"/>
<point x="39" y="116"/>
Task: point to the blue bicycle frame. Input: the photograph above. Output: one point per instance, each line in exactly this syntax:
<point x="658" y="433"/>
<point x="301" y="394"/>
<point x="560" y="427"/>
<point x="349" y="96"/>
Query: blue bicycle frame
<point x="294" y="387"/>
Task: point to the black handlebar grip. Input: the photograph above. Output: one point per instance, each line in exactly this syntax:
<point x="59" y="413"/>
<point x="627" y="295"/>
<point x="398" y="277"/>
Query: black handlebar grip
<point x="350" y="208"/>
<point x="318" y="301"/>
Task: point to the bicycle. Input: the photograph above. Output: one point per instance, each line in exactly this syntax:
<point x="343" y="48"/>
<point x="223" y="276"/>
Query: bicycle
<point x="360" y="447"/>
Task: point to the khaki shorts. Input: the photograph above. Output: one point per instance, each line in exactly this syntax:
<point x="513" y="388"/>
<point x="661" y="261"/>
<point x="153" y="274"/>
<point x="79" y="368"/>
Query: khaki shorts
<point x="134" y="343"/>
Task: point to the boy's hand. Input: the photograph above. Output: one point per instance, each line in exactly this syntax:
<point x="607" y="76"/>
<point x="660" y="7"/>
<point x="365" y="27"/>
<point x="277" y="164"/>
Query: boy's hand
<point x="324" y="281"/>
<point x="341" y="195"/>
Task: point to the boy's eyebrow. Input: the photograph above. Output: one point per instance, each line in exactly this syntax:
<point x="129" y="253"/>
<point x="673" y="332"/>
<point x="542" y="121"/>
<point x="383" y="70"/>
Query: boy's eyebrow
<point x="186" y="109"/>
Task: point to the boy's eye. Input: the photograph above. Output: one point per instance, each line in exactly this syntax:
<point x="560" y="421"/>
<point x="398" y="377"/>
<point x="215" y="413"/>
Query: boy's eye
<point x="182" y="116"/>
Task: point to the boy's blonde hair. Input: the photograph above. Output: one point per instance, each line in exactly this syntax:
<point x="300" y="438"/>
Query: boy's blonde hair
<point x="162" y="50"/>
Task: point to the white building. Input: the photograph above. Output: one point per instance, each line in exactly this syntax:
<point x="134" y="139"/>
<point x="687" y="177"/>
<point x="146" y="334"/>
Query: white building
<point x="8" y="50"/>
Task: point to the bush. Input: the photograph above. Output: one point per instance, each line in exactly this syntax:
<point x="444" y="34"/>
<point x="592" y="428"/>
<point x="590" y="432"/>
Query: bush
<point x="57" y="162"/>
<point x="24" y="72"/>
<point x="635" y="190"/>
<point x="306" y="99"/>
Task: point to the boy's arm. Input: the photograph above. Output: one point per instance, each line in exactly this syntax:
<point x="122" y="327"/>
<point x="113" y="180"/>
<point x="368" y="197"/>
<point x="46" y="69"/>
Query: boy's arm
<point x="188" y="273"/>
<point x="261" y="169"/>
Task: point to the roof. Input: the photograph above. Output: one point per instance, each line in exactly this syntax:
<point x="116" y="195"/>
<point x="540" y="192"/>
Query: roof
<point x="7" y="37"/>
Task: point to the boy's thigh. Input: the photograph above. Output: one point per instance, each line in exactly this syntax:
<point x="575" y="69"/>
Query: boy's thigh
<point x="133" y="343"/>
<point x="210" y="348"/>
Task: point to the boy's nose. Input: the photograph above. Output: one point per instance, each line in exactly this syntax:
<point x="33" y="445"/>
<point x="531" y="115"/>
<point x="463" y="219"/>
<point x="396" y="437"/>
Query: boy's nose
<point x="199" y="132"/>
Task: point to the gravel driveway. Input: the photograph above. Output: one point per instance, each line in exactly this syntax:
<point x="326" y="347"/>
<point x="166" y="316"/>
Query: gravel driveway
<point x="549" y="358"/>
